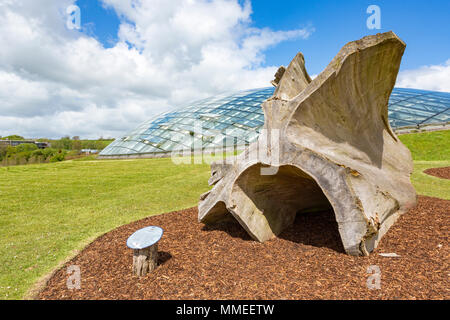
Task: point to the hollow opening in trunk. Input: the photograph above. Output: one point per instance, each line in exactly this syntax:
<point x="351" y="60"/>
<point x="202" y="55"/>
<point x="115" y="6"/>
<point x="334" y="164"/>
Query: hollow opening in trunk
<point x="281" y="196"/>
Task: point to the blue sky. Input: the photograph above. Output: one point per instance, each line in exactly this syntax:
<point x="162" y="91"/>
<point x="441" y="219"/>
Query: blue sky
<point x="99" y="21"/>
<point x="133" y="59"/>
<point x="423" y="25"/>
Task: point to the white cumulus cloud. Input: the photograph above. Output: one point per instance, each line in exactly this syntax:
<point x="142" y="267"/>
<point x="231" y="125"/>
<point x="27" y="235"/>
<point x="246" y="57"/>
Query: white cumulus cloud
<point x="433" y="77"/>
<point x="55" y="81"/>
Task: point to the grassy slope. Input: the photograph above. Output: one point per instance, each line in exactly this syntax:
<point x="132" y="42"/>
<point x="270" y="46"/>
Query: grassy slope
<point x="428" y="146"/>
<point x="429" y="150"/>
<point x="428" y="185"/>
<point x="49" y="210"/>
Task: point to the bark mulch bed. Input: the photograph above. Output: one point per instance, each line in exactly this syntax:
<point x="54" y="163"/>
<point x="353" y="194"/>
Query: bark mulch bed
<point x="306" y="262"/>
<point x="443" y="173"/>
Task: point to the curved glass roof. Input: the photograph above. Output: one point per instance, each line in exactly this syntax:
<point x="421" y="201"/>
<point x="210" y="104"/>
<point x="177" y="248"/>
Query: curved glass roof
<point x="411" y="107"/>
<point x="208" y="123"/>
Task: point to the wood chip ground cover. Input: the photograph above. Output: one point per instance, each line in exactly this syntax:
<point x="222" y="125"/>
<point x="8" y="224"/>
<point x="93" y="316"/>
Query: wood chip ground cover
<point x="306" y="262"/>
<point x="443" y="173"/>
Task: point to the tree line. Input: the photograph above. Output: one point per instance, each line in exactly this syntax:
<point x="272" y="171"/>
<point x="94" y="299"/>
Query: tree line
<point x="61" y="149"/>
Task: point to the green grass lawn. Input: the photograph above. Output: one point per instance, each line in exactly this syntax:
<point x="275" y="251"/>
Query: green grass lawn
<point x="428" y="146"/>
<point x="428" y="185"/>
<point x="429" y="150"/>
<point x="49" y="210"/>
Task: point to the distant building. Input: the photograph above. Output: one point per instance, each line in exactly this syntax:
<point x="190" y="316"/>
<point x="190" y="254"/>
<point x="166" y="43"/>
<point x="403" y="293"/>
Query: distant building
<point x="13" y="143"/>
<point x="42" y="145"/>
<point x="89" y="151"/>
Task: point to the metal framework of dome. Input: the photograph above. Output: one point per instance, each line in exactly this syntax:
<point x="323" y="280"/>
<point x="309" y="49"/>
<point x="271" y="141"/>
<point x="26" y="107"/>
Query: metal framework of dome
<point x="239" y="117"/>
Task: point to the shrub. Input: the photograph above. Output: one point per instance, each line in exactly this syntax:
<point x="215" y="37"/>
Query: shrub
<point x="3" y="151"/>
<point x="37" y="153"/>
<point x="48" y="153"/>
<point x="60" y="156"/>
<point x="63" y="143"/>
<point x="25" y="147"/>
<point x="24" y="155"/>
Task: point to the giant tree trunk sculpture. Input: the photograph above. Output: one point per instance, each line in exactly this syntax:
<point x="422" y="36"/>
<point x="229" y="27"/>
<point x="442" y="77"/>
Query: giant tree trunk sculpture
<point x="326" y="144"/>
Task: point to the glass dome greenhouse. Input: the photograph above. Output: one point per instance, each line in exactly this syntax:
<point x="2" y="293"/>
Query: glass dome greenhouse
<point x="208" y="123"/>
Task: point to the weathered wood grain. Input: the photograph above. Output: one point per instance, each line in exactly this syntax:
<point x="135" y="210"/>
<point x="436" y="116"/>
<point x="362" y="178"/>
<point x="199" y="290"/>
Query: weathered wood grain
<point x="326" y="143"/>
